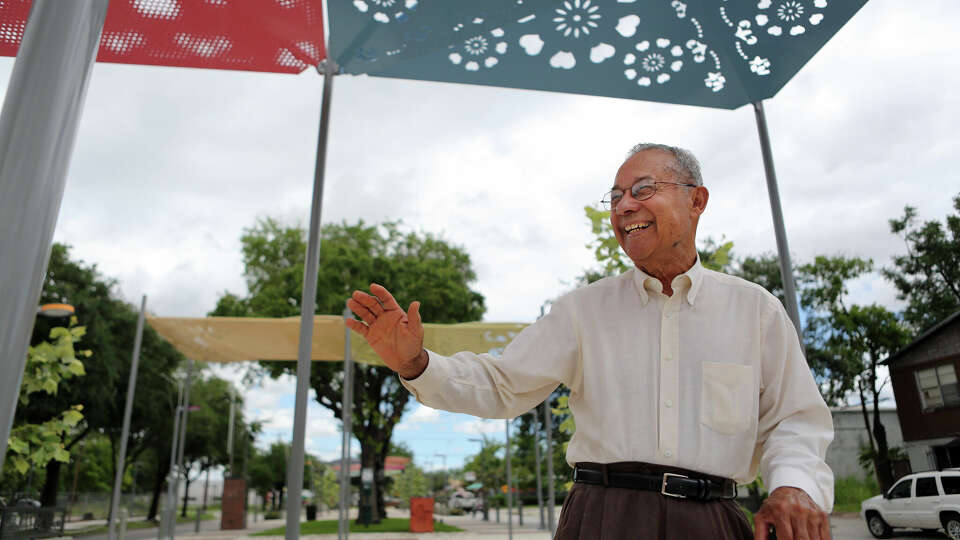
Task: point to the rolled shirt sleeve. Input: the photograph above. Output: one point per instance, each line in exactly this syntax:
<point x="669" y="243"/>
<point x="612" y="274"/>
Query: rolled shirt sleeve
<point x="795" y="426"/>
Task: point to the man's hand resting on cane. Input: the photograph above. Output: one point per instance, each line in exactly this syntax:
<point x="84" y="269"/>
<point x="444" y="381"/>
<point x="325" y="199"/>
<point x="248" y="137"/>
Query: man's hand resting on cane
<point x="394" y="335"/>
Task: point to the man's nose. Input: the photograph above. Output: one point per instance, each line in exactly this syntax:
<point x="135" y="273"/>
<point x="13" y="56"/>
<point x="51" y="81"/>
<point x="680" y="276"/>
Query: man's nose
<point x="627" y="204"/>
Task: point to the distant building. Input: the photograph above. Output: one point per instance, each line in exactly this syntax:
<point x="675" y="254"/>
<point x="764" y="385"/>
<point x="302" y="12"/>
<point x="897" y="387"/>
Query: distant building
<point x="850" y="436"/>
<point x="924" y="376"/>
<point x="393" y="465"/>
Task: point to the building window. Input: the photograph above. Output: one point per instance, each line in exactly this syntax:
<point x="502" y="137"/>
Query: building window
<point x="938" y="387"/>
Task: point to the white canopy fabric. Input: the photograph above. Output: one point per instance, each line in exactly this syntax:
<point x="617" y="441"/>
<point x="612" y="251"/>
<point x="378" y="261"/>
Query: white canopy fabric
<point x="246" y="339"/>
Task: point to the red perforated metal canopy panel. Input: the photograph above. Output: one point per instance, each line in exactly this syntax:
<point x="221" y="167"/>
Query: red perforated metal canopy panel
<point x="284" y="36"/>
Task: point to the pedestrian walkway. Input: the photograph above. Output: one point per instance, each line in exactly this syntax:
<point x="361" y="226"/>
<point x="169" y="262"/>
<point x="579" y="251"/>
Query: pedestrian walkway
<point x="474" y="528"/>
<point x="843" y="527"/>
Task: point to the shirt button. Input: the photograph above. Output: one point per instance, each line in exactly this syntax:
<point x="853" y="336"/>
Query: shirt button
<point x="669" y="403"/>
<point x="667" y="358"/>
<point x="668" y="453"/>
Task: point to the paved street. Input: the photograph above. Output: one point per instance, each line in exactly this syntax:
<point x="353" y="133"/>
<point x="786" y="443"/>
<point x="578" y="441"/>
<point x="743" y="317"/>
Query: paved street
<point x="854" y="528"/>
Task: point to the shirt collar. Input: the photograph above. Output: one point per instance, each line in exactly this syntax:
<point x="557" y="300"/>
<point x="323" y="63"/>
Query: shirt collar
<point x="688" y="283"/>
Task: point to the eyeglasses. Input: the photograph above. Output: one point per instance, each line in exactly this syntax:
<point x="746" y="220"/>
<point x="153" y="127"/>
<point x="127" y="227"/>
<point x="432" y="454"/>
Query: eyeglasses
<point x="640" y="191"/>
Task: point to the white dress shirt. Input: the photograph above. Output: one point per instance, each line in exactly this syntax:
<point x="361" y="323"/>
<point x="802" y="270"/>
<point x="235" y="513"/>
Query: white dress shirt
<point x="711" y="379"/>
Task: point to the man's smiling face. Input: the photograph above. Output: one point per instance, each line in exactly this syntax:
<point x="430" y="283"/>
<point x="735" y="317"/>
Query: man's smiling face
<point x="657" y="232"/>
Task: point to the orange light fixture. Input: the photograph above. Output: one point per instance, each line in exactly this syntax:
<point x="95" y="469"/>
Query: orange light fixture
<point x="56" y="310"/>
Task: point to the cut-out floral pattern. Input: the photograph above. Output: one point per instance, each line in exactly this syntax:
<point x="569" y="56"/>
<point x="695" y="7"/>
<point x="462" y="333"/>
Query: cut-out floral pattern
<point x="715" y="81"/>
<point x="478" y="50"/>
<point x="760" y="66"/>
<point x="791" y="17"/>
<point x="577" y="18"/>
<point x="386" y="11"/>
<point x="573" y="21"/>
<point x="775" y="18"/>
<point x="655" y="61"/>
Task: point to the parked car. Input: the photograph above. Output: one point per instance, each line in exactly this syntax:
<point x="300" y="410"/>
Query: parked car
<point x="926" y="500"/>
<point x="464" y="500"/>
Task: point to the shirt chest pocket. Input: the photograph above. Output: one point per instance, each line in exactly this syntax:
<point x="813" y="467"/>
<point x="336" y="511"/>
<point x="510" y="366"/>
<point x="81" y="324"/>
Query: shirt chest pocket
<point x="727" y="396"/>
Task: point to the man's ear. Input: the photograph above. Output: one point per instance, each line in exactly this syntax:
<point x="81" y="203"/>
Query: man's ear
<point x="699" y="201"/>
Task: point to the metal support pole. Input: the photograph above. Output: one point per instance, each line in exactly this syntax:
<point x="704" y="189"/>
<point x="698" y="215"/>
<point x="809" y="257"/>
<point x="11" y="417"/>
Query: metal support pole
<point x="786" y="269"/>
<point x="170" y="501"/>
<point x="184" y="412"/>
<point x="343" y="528"/>
<point x="536" y="450"/>
<point x="308" y="304"/>
<point x="38" y="125"/>
<point x="509" y="485"/>
<point x="233" y="406"/>
<point x="125" y="431"/>
<point x="551" y="496"/>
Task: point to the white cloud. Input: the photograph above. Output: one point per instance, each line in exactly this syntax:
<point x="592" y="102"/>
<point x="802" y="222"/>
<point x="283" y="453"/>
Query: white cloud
<point x="480" y="426"/>
<point x="424" y="414"/>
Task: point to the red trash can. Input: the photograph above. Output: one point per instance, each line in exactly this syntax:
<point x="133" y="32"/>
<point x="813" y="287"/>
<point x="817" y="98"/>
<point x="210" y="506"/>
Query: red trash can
<point x="421" y="514"/>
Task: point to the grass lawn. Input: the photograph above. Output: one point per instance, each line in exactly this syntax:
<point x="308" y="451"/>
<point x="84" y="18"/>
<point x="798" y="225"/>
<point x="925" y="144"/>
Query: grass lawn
<point x="329" y="526"/>
<point x="139" y="523"/>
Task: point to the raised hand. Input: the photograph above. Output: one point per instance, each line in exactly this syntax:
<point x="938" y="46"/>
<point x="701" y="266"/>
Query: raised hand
<point x="397" y="337"/>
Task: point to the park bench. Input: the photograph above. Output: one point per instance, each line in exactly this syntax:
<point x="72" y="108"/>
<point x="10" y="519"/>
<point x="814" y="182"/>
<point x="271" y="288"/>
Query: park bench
<point x="32" y="522"/>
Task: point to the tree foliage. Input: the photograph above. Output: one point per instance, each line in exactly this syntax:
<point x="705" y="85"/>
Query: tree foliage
<point x="48" y="364"/>
<point x="110" y="325"/>
<point x="412" y="483"/>
<point x="853" y="340"/>
<point x="208" y="427"/>
<point x="488" y="464"/>
<point x="928" y="276"/>
<point x="413" y="266"/>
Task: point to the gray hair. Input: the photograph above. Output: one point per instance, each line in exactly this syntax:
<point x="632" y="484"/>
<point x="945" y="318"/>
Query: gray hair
<point x="685" y="163"/>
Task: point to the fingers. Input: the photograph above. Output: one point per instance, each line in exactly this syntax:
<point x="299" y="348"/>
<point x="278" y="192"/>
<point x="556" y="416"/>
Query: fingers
<point x="761" y="528"/>
<point x="825" y="528"/>
<point x="371" y="303"/>
<point x="785" y="531"/>
<point x="384" y="296"/>
<point x="360" y="310"/>
<point x="358" y="326"/>
<point x="413" y="316"/>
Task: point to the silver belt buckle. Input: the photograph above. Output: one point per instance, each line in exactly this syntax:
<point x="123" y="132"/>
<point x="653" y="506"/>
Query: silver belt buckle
<point x="663" y="488"/>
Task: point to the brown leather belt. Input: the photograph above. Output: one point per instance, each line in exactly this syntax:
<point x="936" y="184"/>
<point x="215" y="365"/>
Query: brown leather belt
<point x="668" y="484"/>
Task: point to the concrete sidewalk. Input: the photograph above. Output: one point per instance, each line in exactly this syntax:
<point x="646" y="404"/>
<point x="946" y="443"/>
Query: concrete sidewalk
<point x="843" y="527"/>
<point x="473" y="528"/>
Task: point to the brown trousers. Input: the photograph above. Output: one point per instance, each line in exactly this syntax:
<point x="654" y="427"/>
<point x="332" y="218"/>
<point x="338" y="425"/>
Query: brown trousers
<point x="593" y="512"/>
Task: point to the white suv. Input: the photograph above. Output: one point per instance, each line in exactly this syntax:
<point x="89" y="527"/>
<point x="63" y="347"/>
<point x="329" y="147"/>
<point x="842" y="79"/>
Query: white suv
<point x="926" y="500"/>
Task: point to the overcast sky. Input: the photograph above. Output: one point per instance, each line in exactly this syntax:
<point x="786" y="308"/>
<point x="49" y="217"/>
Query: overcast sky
<point x="171" y="164"/>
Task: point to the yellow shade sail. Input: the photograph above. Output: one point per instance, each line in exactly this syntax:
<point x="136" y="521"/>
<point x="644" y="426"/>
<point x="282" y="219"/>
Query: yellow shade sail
<point x="246" y="339"/>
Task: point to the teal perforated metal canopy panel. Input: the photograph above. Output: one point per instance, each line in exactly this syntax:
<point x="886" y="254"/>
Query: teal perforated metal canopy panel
<point x="711" y="53"/>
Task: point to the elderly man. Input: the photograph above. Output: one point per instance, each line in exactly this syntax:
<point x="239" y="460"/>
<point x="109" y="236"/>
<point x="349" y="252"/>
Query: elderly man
<point x="683" y="381"/>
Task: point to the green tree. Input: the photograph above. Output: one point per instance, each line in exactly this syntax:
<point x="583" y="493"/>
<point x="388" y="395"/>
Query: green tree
<point x="853" y="341"/>
<point x="110" y="325"/>
<point x="412" y="483"/>
<point x="268" y="470"/>
<point x="326" y="486"/>
<point x="414" y="266"/>
<point x="207" y="428"/>
<point x="49" y="363"/>
<point x="489" y="467"/>
<point x="928" y="276"/>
